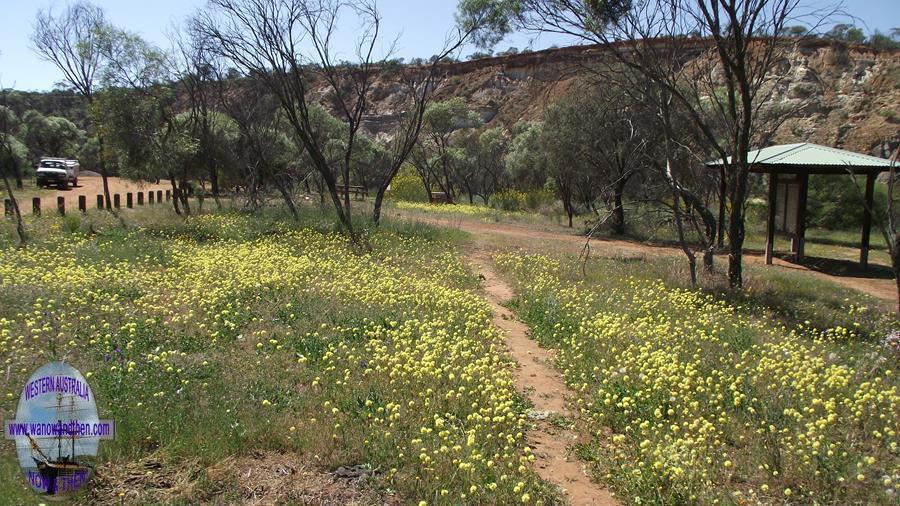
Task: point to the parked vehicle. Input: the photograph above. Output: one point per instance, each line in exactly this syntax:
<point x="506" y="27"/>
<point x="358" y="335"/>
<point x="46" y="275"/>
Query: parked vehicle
<point x="60" y="172"/>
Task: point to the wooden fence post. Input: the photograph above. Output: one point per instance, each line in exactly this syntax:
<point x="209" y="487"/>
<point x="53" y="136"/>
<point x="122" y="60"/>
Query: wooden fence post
<point x="129" y="200"/>
<point x="82" y="203"/>
<point x="117" y="201"/>
<point x="36" y="206"/>
<point x="61" y="205"/>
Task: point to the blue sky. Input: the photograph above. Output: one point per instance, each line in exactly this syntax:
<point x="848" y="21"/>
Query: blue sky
<point x="421" y="26"/>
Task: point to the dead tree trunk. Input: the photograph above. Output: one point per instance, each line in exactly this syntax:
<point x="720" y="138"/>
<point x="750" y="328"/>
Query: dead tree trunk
<point x="20" y="226"/>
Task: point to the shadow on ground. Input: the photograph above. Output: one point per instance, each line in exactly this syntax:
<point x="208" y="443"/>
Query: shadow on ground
<point x="835" y="267"/>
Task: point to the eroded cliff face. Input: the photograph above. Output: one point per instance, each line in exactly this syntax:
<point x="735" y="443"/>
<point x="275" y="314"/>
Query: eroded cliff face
<point x="852" y="96"/>
<point x="847" y="97"/>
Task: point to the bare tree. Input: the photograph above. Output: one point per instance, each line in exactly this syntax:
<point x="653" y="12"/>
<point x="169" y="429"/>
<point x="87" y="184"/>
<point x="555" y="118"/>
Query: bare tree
<point x="72" y="41"/>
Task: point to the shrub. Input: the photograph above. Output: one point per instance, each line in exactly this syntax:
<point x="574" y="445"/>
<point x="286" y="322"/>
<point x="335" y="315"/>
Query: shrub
<point x="835" y="203"/>
<point x="536" y="199"/>
<point x="509" y="200"/>
<point x="517" y="200"/>
<point x="407" y="186"/>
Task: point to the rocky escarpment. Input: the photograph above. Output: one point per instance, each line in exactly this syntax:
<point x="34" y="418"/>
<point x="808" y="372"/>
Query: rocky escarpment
<point x="848" y="97"/>
<point x="852" y="98"/>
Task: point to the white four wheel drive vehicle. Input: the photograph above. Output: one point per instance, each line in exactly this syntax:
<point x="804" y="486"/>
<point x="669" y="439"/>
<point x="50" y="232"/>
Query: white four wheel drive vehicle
<point x="59" y="172"/>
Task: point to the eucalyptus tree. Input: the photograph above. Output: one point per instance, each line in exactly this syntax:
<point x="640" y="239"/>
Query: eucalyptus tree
<point x="437" y="157"/>
<point x="525" y="162"/>
<point x="266" y="154"/>
<point x="197" y="77"/>
<point x="17" y="156"/>
<point x="72" y="40"/>
<point x="602" y="131"/>
<point x="50" y="135"/>
<point x="724" y="67"/>
<point x="10" y="150"/>
<point x="143" y="114"/>
<point x="288" y="45"/>
<point x="483" y="172"/>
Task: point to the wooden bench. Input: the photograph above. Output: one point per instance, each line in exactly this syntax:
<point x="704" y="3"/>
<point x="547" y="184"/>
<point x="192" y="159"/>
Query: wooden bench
<point x="357" y="191"/>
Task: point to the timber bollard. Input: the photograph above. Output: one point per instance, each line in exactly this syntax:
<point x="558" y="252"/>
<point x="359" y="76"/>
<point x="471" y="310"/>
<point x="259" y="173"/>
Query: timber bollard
<point x="129" y="200"/>
<point x="168" y="195"/>
<point x="150" y="197"/>
<point x="61" y="205"/>
<point x="36" y="206"/>
<point x="7" y="207"/>
<point x="99" y="201"/>
<point x="159" y="196"/>
<point x="82" y="203"/>
<point x="117" y="201"/>
<point x="140" y="198"/>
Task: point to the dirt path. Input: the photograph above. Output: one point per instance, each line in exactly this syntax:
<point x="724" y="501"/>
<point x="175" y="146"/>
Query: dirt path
<point x="519" y="235"/>
<point x="539" y="379"/>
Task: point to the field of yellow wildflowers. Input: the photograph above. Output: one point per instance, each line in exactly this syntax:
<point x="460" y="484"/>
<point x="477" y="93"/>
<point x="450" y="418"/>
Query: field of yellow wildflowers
<point x="711" y="403"/>
<point x="223" y="334"/>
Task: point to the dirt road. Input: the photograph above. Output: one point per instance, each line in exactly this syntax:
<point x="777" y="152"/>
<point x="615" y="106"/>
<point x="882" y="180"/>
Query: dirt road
<point x="518" y="236"/>
<point x="90" y="187"/>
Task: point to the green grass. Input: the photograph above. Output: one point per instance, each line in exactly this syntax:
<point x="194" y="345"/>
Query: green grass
<point x="719" y="397"/>
<point x="226" y="334"/>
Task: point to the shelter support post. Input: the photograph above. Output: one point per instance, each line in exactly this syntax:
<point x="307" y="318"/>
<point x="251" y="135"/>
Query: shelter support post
<point x="800" y="228"/>
<point x="770" y="218"/>
<point x="867" y="220"/>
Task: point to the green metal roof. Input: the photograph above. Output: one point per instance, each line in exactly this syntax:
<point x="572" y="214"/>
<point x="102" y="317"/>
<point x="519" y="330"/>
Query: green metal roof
<point x="812" y="155"/>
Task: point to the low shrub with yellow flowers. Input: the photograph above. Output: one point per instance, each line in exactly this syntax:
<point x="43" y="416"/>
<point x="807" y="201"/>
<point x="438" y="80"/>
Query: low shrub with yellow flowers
<point x="477" y="211"/>
<point x="218" y="335"/>
<point x="710" y="403"/>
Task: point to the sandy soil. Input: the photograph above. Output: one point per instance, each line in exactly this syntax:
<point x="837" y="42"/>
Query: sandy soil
<point x="537" y="377"/>
<point x="90" y="187"/>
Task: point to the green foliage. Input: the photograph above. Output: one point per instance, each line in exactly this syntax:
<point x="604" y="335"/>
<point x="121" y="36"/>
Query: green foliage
<point x="835" y="202"/>
<point x="539" y="198"/>
<point x="525" y="161"/>
<point x="445" y="117"/>
<point x="491" y="19"/>
<point x="851" y="34"/>
<point x="17" y="157"/>
<point x="50" y="135"/>
<point x="9" y="120"/>
<point x="846" y="33"/>
<point x="494" y="19"/>
<point x="407" y="186"/>
<point x="517" y="200"/>
<point x="508" y="200"/>
<point x="881" y="41"/>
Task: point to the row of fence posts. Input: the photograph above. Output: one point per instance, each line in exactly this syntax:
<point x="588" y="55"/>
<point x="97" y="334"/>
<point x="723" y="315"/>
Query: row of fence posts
<point x="152" y="197"/>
